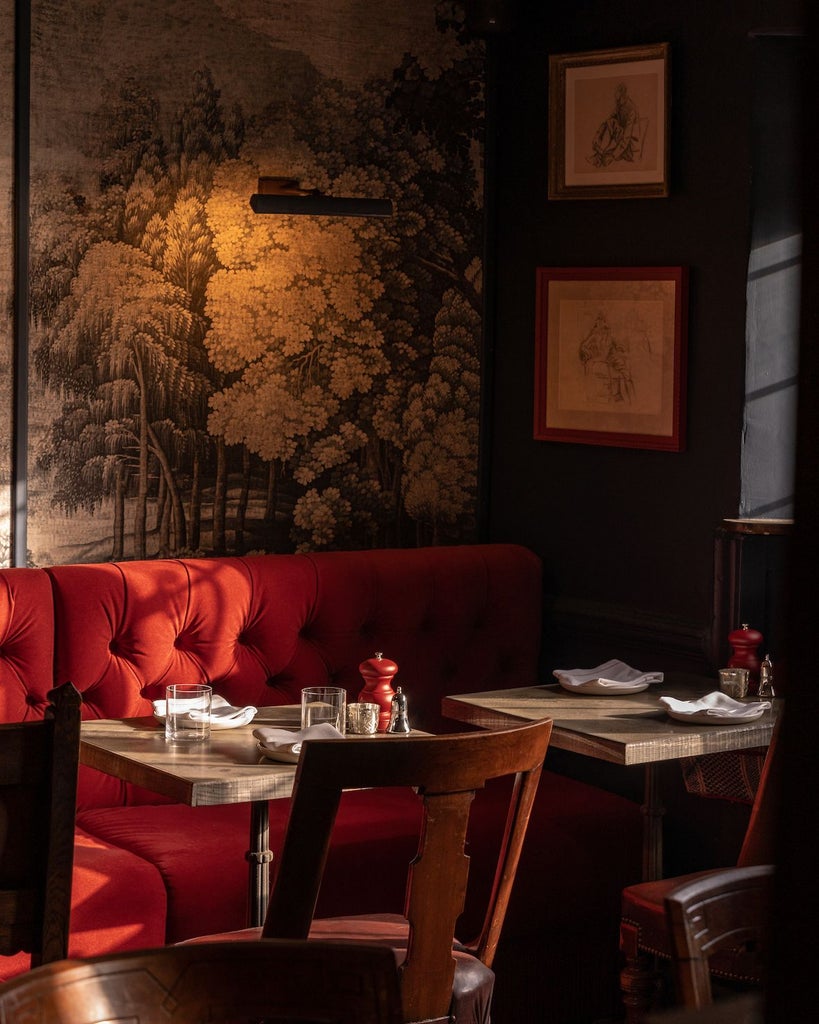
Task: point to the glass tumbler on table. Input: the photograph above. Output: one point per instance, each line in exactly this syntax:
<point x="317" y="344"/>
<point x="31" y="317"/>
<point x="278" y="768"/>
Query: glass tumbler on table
<point x="187" y="712"/>
<point x="324" y="704"/>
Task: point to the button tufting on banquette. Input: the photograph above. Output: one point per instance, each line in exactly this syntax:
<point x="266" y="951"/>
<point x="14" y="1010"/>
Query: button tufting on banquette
<point x="258" y="629"/>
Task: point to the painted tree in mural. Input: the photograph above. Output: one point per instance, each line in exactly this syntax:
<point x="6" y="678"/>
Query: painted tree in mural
<point x="293" y="315"/>
<point x="329" y="325"/>
<point x="441" y="423"/>
<point x="126" y="340"/>
<point x="136" y="331"/>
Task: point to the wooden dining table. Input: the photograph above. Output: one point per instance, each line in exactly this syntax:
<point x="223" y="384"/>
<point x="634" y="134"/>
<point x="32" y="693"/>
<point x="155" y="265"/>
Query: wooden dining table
<point x="621" y="729"/>
<point x="227" y="768"/>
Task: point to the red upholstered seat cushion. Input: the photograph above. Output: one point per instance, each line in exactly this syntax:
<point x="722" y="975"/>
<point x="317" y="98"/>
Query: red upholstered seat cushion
<point x="118" y="903"/>
<point x="200" y="854"/>
<point x="643" y="906"/>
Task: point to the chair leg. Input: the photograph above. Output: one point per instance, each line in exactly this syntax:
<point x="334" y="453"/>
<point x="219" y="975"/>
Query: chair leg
<point x="639" y="978"/>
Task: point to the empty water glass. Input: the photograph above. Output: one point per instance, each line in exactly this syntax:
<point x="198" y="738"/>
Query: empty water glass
<point x="324" y="704"/>
<point x="187" y="712"/>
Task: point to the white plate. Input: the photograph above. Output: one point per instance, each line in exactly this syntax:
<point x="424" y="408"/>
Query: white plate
<point x="603" y="686"/>
<point x="715" y="708"/>
<point x="612" y="678"/>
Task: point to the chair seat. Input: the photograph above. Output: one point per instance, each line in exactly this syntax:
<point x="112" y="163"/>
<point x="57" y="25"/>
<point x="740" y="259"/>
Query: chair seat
<point x="643" y="908"/>
<point x="474" y="981"/>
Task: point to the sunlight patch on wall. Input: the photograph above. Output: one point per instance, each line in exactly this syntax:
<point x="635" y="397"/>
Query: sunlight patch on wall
<point x="772" y="351"/>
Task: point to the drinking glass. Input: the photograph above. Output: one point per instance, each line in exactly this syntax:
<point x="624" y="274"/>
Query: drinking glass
<point x="324" y="704"/>
<point x="187" y="712"/>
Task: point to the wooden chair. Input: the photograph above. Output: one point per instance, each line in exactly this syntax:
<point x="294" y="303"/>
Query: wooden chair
<point x="441" y="980"/>
<point x="223" y="983"/>
<point x="726" y="913"/>
<point x="38" y="791"/>
<point x="644" y="934"/>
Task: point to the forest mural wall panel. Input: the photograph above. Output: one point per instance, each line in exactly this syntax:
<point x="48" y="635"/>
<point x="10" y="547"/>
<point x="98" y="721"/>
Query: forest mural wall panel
<point x="207" y="380"/>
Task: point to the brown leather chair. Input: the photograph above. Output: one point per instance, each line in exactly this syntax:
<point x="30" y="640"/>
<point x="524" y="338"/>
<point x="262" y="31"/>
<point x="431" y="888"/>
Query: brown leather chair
<point x="266" y="981"/>
<point x="441" y="980"/>
<point x="727" y="914"/>
<point x="38" y="795"/>
<point x="644" y="934"/>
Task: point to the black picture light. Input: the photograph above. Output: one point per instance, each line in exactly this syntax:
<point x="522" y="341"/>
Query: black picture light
<point x="285" y="195"/>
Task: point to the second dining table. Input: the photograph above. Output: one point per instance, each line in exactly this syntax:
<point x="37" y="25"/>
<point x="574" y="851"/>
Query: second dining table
<point x="621" y="729"/>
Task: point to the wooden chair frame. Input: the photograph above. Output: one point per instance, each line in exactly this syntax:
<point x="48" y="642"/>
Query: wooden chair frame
<point x="446" y="771"/>
<point x="225" y="982"/>
<point x="640" y="978"/>
<point x="38" y="778"/>
<point x="727" y="912"/>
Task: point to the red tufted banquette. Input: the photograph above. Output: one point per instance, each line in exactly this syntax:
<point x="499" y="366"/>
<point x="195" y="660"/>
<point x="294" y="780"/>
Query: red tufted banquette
<point x="455" y="619"/>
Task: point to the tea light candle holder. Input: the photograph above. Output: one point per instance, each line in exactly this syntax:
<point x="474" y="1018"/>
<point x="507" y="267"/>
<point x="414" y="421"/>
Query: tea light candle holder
<point x="734" y="682"/>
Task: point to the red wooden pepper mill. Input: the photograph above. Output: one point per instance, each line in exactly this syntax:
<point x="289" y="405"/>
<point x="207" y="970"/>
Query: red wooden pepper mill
<point x="378" y="673"/>
<point x="745" y="643"/>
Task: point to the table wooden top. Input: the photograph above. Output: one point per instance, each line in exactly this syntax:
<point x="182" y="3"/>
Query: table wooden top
<point x="225" y="769"/>
<point x="626" y="730"/>
<point x="228" y="768"/>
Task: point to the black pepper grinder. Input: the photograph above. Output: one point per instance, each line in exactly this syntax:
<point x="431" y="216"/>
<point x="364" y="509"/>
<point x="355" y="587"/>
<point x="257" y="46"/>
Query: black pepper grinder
<point x="399" y="722"/>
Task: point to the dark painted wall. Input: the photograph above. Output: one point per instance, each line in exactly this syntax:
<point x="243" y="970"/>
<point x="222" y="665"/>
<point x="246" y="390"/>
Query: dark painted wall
<point x="627" y="536"/>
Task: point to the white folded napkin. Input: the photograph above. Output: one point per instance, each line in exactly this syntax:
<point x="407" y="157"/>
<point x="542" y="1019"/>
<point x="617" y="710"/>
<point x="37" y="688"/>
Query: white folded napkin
<point x="285" y="744"/>
<point x="611" y="675"/>
<point x="715" y="705"/>
<point x="222" y="715"/>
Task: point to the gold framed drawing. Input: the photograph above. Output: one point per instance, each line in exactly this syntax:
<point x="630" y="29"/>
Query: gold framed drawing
<point x="609" y="123"/>
<point x="610" y="354"/>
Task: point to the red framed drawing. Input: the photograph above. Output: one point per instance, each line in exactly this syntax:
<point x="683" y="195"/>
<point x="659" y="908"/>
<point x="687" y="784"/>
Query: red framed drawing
<point x="610" y="356"/>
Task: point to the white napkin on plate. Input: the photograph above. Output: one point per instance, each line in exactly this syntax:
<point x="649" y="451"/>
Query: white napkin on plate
<point x="716" y="705"/>
<point x="612" y="674"/>
<point x="285" y="744"/>
<point x="222" y="715"/>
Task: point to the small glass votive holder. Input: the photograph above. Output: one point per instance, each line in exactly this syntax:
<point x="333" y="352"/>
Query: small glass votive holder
<point x="362" y="718"/>
<point x="733" y="682"/>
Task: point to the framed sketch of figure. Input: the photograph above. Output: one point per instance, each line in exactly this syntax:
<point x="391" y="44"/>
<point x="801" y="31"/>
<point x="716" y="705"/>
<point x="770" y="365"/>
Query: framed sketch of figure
<point x="610" y="356"/>
<point x="608" y="123"/>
